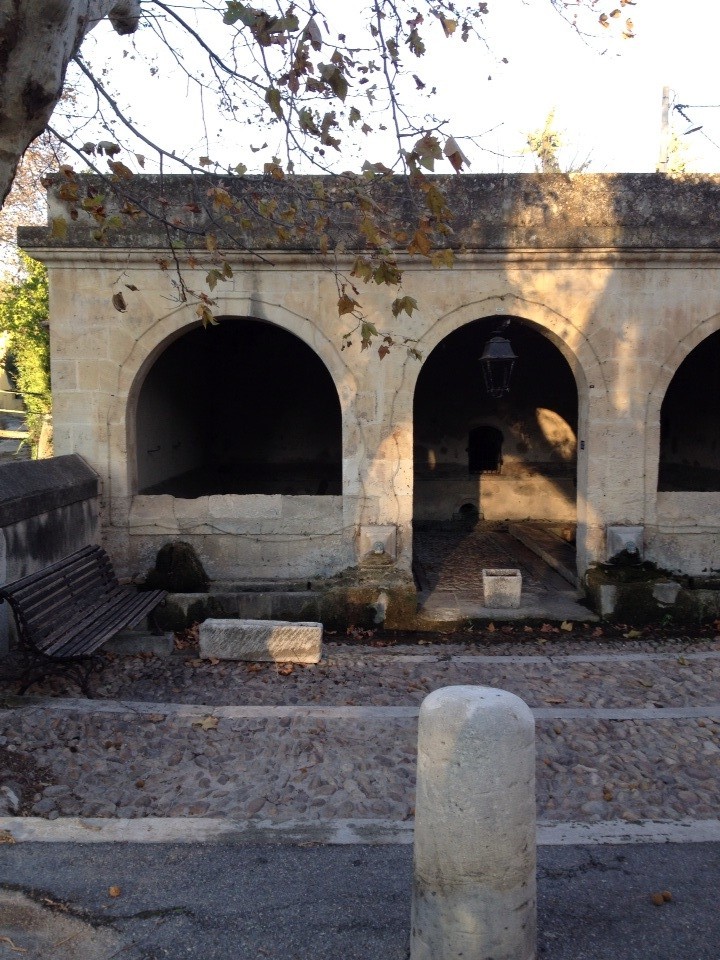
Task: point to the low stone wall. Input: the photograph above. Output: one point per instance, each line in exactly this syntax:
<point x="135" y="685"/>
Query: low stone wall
<point x="48" y="509"/>
<point x="236" y="537"/>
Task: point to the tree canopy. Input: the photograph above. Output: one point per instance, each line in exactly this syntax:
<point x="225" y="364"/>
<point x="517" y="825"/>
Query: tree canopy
<point x="329" y="89"/>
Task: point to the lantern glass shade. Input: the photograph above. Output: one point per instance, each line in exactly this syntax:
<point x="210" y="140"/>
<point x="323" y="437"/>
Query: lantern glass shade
<point x="497" y="362"/>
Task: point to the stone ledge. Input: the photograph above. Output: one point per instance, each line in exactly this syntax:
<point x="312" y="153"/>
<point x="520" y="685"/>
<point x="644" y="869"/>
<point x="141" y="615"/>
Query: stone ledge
<point x="266" y="640"/>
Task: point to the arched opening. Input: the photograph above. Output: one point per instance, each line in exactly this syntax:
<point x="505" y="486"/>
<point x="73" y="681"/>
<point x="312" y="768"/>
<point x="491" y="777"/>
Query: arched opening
<point x="240" y="408"/>
<point x="507" y="461"/>
<point x="485" y="450"/>
<point x="513" y="457"/>
<point x="690" y="423"/>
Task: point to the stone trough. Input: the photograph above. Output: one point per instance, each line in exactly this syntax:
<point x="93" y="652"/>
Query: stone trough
<point x="266" y="640"/>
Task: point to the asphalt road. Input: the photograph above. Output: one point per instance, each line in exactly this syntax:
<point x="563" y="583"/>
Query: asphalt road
<point x="280" y="902"/>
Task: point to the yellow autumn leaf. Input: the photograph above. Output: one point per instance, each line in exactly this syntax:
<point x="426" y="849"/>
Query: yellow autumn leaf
<point x="207" y="723"/>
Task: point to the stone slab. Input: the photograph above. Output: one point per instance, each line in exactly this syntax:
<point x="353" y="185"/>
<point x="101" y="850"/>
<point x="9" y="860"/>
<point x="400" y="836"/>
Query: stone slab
<point x="266" y="640"/>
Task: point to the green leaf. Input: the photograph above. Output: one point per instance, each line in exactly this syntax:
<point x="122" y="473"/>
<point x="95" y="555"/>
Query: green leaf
<point x="59" y="228"/>
<point x="239" y="11"/>
<point x="363" y="269"/>
<point x="212" y="278"/>
<point x="367" y="332"/>
<point x="406" y="304"/>
<point x="415" y="42"/>
<point x="274" y="101"/>
<point x="335" y="79"/>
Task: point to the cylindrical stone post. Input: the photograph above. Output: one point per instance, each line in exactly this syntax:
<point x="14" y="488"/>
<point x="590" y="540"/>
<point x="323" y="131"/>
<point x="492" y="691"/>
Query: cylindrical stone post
<point x="475" y="846"/>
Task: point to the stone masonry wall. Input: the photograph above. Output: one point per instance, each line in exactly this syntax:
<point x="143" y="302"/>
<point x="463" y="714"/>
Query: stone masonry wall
<point x="621" y="274"/>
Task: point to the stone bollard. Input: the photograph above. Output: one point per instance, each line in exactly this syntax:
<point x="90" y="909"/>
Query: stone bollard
<point x="474" y="865"/>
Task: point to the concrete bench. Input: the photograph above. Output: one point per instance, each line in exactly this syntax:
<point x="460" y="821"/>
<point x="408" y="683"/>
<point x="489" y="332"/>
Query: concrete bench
<point x="278" y="641"/>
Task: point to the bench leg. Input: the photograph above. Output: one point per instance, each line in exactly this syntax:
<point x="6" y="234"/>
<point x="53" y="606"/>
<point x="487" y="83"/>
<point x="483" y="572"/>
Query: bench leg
<point x="152" y="620"/>
<point x="78" y="671"/>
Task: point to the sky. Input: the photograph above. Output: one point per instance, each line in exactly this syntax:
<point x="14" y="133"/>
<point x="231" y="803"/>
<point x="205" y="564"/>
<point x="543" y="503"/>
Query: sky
<point x="606" y="92"/>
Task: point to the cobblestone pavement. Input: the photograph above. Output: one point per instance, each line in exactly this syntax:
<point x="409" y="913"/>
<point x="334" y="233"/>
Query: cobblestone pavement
<point x="448" y="567"/>
<point x="454" y="560"/>
<point x="630" y="733"/>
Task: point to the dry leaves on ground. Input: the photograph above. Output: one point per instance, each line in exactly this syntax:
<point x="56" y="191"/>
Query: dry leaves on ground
<point x="207" y="723"/>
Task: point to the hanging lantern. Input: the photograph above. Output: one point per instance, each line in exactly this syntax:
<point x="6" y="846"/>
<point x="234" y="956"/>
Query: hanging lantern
<point x="497" y="362"/>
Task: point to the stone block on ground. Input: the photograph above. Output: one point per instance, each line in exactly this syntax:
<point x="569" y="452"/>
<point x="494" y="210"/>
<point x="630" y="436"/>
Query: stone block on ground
<point x="502" y="588"/>
<point x="266" y="640"/>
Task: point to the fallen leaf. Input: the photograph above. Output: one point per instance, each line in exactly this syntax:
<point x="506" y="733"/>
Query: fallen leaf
<point x="12" y="946"/>
<point x="491" y="628"/>
<point x="631" y="634"/>
<point x="207" y="723"/>
<point x="114" y="891"/>
<point x="285" y="669"/>
<point x="566" y="625"/>
<point x="7" y="837"/>
<point x="527" y="629"/>
<point x="661" y="897"/>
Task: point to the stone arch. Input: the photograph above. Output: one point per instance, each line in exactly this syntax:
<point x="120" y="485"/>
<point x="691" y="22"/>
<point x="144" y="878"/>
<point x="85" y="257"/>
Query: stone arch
<point x="560" y="330"/>
<point x="698" y="335"/>
<point x="145" y="350"/>
<point x="583" y="360"/>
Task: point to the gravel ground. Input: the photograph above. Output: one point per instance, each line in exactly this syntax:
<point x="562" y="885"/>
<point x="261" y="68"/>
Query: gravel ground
<point x="76" y="759"/>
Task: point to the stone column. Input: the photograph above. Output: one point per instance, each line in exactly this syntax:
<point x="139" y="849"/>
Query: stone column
<point x="474" y="867"/>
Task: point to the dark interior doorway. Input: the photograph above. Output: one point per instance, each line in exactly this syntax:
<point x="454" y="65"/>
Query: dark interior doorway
<point x="485" y="450"/>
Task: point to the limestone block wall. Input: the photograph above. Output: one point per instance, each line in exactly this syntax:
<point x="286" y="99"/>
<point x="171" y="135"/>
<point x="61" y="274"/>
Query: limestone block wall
<point x="48" y="509"/>
<point x="623" y="300"/>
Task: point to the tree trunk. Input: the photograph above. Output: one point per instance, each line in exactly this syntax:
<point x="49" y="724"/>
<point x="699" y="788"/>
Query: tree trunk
<point x="37" y="41"/>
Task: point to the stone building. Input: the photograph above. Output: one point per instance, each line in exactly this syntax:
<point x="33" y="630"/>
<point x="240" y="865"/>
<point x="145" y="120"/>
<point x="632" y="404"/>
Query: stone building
<point x="280" y="455"/>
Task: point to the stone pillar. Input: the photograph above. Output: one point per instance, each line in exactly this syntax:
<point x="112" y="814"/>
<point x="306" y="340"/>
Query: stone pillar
<point x="474" y="867"/>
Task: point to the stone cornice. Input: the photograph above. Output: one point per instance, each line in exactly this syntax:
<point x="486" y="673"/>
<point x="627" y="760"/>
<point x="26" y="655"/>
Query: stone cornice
<point x="491" y="212"/>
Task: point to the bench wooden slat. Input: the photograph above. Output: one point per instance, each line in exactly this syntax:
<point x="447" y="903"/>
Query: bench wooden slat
<point x="87" y="569"/>
<point x="114" y="614"/>
<point x="70" y="608"/>
<point x="56" y="598"/>
<point x="103" y="629"/>
<point x="69" y="561"/>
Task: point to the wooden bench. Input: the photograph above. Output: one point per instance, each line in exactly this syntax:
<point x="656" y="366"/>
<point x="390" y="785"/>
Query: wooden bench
<point x="66" y="611"/>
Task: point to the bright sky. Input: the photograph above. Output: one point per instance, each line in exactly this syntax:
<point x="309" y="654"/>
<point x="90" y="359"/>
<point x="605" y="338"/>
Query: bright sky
<point x="607" y="107"/>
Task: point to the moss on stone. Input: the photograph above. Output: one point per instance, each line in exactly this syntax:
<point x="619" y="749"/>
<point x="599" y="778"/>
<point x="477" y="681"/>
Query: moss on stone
<point x="177" y="570"/>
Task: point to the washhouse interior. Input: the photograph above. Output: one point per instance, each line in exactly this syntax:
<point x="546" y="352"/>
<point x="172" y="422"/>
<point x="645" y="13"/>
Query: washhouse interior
<point x="476" y="457"/>
<point x="690" y="422"/>
<point x="243" y="407"/>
